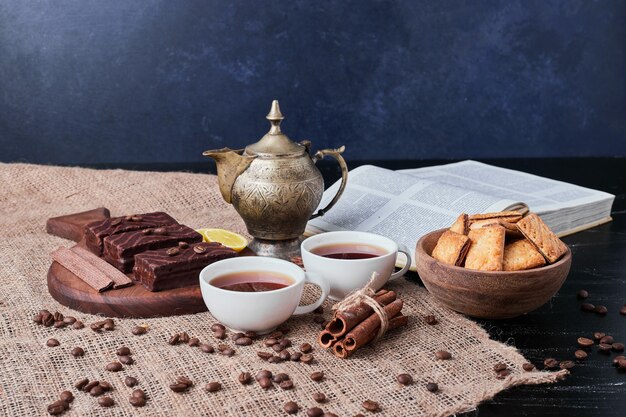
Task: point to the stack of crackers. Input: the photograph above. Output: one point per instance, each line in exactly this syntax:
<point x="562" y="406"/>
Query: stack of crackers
<point x="502" y="241"/>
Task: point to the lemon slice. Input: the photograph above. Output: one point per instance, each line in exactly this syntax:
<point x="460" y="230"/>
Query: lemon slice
<point x="225" y="237"/>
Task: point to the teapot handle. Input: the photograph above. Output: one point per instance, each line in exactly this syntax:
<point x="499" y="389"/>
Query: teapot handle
<point x="335" y="153"/>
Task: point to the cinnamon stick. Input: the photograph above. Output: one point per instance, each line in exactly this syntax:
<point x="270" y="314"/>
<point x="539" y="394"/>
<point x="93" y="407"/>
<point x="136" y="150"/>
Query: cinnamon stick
<point x="326" y="339"/>
<point x="340" y="350"/>
<point x="368" y="329"/>
<point x="344" y="321"/>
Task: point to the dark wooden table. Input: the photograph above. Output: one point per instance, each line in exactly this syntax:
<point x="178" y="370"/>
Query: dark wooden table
<point x="595" y="387"/>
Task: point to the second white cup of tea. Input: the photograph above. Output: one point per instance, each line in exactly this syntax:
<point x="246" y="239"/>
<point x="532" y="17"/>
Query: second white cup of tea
<point x="347" y="275"/>
<point x="260" y="311"/>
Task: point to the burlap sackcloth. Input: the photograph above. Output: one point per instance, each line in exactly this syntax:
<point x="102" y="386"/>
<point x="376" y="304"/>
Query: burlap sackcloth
<point x="32" y="375"/>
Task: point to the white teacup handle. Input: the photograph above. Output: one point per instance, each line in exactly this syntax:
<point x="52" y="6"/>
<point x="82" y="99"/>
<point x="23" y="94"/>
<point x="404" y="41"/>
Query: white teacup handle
<point x="314" y="278"/>
<point x="403" y="249"/>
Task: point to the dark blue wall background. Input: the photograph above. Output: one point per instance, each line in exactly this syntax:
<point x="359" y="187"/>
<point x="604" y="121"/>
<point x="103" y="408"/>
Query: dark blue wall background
<point x="161" y="80"/>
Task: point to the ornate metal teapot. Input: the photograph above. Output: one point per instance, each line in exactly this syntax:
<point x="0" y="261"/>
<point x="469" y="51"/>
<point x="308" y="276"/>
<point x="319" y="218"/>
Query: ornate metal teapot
<point x="275" y="187"/>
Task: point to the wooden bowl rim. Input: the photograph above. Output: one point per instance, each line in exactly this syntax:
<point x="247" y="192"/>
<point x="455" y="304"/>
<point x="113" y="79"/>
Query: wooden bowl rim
<point x="420" y="247"/>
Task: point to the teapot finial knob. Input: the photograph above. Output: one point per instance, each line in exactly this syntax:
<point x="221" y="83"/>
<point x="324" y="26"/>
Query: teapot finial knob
<point x="275" y="117"/>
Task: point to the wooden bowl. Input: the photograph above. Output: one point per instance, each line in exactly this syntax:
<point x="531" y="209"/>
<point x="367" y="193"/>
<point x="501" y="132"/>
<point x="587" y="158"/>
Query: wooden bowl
<point x="488" y="294"/>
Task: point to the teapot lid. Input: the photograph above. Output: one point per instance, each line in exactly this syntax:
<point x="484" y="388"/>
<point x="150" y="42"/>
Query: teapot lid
<point x="275" y="142"/>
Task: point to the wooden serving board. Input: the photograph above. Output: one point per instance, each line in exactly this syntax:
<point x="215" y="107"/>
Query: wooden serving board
<point x="132" y="302"/>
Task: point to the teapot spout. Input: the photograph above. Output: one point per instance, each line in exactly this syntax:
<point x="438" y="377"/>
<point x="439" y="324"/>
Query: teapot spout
<point x="230" y="164"/>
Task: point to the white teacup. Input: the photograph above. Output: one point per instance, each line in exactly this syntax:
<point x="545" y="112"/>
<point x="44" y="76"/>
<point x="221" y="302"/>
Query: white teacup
<point x="261" y="311"/>
<point x="347" y="275"/>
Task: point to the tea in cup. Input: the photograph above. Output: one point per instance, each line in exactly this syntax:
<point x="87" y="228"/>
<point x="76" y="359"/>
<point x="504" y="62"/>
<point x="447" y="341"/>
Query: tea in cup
<point x="348" y="259"/>
<point x="254" y="293"/>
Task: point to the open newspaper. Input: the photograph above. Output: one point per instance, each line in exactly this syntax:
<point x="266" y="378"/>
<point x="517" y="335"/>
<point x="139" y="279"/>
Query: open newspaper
<point x="404" y="205"/>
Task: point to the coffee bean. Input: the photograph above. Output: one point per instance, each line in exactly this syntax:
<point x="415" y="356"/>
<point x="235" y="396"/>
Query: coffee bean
<point x="622" y="311"/>
<point x="528" y="367"/>
<point x="96" y="391"/>
<point x="276" y="334"/>
<point x="306" y="358"/>
<point x="580" y="355"/>
<point x="329" y="414"/>
<point x="587" y="307"/>
<point x="245" y="378"/>
<point x="306" y="348"/>
<point x="77" y="351"/>
<point x="604" y="347"/>
<point x="194" y="341"/>
<point x="213" y="387"/>
<point x="264" y="373"/>
<point x="66" y="396"/>
<point x="59" y="324"/>
<point x="285" y="343"/>
<point x="264" y="355"/>
<point x="566" y="364"/>
<point x="199" y="249"/>
<point x="183" y="337"/>
<point x="137" y="331"/>
<point x="114" y="367"/>
<point x="122" y="351"/>
<point x="172" y="251"/>
<point x="57" y="407"/>
<point x="228" y="352"/>
<point x="160" y="231"/>
<point x="618" y="347"/>
<point x="291" y="407"/>
<point x="265" y="383"/>
<point x="80" y="384"/>
<point x="319" y="397"/>
<point x="621" y="363"/>
<point x="598" y="335"/>
<point x="584" y="342"/>
<point x="550" y="363"/>
<point x="601" y="310"/>
<point x="443" y="355"/>
<point x="138" y="393"/>
<point x="284" y="355"/>
<point x="236" y="336"/>
<point x="607" y="339"/>
<point x="499" y="367"/>
<point x="617" y="359"/>
<point x="404" y="379"/>
<point x="137" y="401"/>
<point x="130" y="381"/>
<point x="275" y="359"/>
<point x="277" y="347"/>
<point x="106" y="401"/>
<point x="37" y="318"/>
<point x="370" y="405"/>
<point x="278" y="378"/>
<point x="58" y="316"/>
<point x="105" y="386"/>
<point x="432" y="387"/>
<point x="77" y="325"/>
<point x="314" y="412"/>
<point x="126" y="360"/>
<point x="430" y="320"/>
<point x="90" y="385"/>
<point x="251" y="334"/>
<point x="184" y="380"/>
<point x="317" y="376"/>
<point x="220" y="334"/>
<point x="217" y="326"/>
<point x="295" y="357"/>
<point x="109" y="324"/>
<point x="52" y="343"/>
<point x="582" y="294"/>
<point x="206" y="348"/>
<point x="69" y="320"/>
<point x="270" y="342"/>
<point x="286" y="385"/>
<point x="173" y="340"/>
<point x="243" y="341"/>
<point x="503" y="373"/>
<point x="178" y="387"/>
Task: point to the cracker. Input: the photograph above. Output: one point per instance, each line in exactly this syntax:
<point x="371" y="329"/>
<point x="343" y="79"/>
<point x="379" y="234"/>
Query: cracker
<point x="508" y="216"/>
<point x="487" y="249"/>
<point x="510" y="228"/>
<point x="461" y="225"/>
<point x="451" y="248"/>
<point x="540" y="235"/>
<point x="521" y="255"/>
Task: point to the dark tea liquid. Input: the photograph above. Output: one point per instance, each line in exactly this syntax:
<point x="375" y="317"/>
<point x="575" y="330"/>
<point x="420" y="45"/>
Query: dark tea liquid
<point x="252" y="281"/>
<point x="349" y="251"/>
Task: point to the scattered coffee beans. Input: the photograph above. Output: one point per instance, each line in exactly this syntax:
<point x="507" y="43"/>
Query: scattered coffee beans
<point x="96" y="391"/>
<point x="370" y="405"/>
<point x="284" y="355"/>
<point x="604" y="347"/>
<point x="607" y="339"/>
<point x="77" y="351"/>
<point x="443" y="355"/>
<point x="319" y="397"/>
<point x="287" y="385"/>
<point x="194" y="341"/>
<point x="432" y="387"/>
<point x="220" y="334"/>
<point x="528" y="367"/>
<point x="306" y="348"/>
<point x="317" y="376"/>
<point x="122" y="351"/>
<point x="183" y="338"/>
<point x="306" y="358"/>
<point x="173" y="340"/>
<point x="278" y="378"/>
<point x="618" y="347"/>
<point x="275" y="359"/>
<point x="277" y="347"/>
<point x="52" y="343"/>
<point x="295" y="357"/>
<point x="598" y="335"/>
<point x="137" y="331"/>
<point x="77" y="325"/>
<point x="582" y="294"/>
<point x="601" y="310"/>
<point x="67" y="396"/>
<point x="80" y="384"/>
<point x="264" y="373"/>
<point x="213" y="387"/>
<point x="404" y="379"/>
<point x="617" y="359"/>
<point x="228" y="352"/>
<point x="217" y="326"/>
<point x="314" y="412"/>
<point x="109" y="324"/>
<point x="566" y="364"/>
<point x="130" y="381"/>
<point x="270" y="342"/>
<point x="622" y="310"/>
<point x="243" y="341"/>
<point x="88" y="387"/>
<point x="236" y="336"/>
<point x="106" y="401"/>
<point x="265" y="382"/>
<point x="291" y="407"/>
<point x="245" y="378"/>
<point x="264" y="355"/>
<point x="587" y="307"/>
<point x="503" y="373"/>
<point x="57" y="407"/>
<point x="430" y="320"/>
<point x="114" y="366"/>
<point x="499" y="367"/>
<point x="584" y="342"/>
<point x="105" y="385"/>
<point x="580" y="355"/>
<point x="137" y="401"/>
<point x="550" y="363"/>
<point x="126" y="360"/>
<point x="206" y="348"/>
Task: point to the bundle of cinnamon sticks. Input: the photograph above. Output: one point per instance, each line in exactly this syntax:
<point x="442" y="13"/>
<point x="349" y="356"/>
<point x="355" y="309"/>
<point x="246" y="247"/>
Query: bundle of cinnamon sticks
<point x="354" y="327"/>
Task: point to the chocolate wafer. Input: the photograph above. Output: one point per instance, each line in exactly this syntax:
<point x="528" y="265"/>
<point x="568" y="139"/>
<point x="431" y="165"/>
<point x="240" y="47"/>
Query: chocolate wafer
<point x="119" y="279"/>
<point x="83" y="269"/>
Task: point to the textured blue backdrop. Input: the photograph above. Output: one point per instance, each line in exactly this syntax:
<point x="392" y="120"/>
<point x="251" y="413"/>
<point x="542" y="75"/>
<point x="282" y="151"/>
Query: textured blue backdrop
<point x="161" y="81"/>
